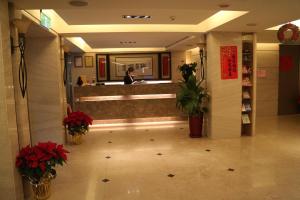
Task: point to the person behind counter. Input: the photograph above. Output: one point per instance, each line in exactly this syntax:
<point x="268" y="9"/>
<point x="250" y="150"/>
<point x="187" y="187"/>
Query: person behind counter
<point x="128" y="79"/>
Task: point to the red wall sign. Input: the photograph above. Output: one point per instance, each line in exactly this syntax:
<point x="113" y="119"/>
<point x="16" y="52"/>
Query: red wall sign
<point x="229" y="65"/>
<point x="101" y="67"/>
<point x="285" y="63"/>
<point x="165" y="62"/>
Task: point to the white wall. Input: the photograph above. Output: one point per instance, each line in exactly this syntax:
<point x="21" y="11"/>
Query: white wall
<point x="267" y="87"/>
<point x="45" y="90"/>
<point x="224" y="117"/>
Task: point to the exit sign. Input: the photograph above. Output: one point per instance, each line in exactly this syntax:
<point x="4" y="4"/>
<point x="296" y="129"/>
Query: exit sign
<point x="45" y="21"/>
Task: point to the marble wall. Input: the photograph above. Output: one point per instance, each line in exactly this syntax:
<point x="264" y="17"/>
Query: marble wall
<point x="178" y="58"/>
<point x="267" y="79"/>
<point x="10" y="181"/>
<point x="21" y="103"/>
<point x="224" y="117"/>
<point x="45" y="89"/>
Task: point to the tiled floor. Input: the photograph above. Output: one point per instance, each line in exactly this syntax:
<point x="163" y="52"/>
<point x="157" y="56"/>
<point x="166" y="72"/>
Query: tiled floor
<point x="150" y="163"/>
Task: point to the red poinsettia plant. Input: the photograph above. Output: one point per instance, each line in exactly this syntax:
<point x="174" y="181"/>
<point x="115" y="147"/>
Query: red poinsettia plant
<point x="38" y="162"/>
<point x="78" y="122"/>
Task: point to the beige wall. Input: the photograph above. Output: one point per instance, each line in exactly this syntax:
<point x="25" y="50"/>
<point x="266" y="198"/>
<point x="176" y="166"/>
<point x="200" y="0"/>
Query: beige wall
<point x="45" y="90"/>
<point x="267" y="87"/>
<point x="177" y="58"/>
<point x="224" y="117"/>
<point x="10" y="181"/>
<point x="88" y="72"/>
<point x="193" y="55"/>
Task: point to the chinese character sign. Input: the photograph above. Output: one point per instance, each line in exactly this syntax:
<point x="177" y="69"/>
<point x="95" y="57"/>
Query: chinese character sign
<point x="229" y="65"/>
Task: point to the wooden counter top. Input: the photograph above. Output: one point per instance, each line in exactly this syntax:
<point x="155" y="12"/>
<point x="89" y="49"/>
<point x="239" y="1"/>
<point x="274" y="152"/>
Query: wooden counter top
<point x="136" y="89"/>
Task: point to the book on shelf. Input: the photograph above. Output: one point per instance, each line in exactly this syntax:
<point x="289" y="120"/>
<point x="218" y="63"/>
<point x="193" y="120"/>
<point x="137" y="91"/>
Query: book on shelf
<point x="246" y="82"/>
<point x="243" y="108"/>
<point x="246" y="107"/>
<point x="246" y="70"/>
<point x="246" y="119"/>
<point x="246" y="95"/>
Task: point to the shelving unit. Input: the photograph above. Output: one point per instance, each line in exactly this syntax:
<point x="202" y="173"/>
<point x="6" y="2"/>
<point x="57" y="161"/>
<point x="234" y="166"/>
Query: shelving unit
<point x="248" y="84"/>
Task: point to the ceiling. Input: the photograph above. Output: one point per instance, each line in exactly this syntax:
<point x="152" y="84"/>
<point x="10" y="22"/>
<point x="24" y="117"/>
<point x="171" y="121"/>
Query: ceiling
<point x="263" y="13"/>
<point x="113" y="40"/>
<point x="163" y="16"/>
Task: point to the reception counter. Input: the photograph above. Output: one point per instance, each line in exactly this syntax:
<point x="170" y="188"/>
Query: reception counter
<point x="127" y="101"/>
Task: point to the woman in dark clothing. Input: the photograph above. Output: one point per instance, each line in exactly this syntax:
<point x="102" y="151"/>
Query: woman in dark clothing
<point x="128" y="79"/>
<point x="79" y="81"/>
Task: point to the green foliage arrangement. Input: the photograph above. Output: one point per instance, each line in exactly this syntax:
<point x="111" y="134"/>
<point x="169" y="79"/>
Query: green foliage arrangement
<point x="187" y="70"/>
<point x="191" y="97"/>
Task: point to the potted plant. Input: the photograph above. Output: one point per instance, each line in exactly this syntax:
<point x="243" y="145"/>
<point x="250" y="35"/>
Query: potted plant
<point x="187" y="70"/>
<point x="77" y="124"/>
<point x="192" y="98"/>
<point x="36" y="164"/>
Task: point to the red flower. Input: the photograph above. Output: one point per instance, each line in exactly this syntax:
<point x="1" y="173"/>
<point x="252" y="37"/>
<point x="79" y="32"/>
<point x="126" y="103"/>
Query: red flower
<point x="44" y="156"/>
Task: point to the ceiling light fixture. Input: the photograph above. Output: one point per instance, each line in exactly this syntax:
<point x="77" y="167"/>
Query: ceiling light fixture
<point x="127" y="42"/>
<point x="172" y="18"/>
<point x="136" y="16"/>
<point x="251" y="24"/>
<point x="224" y="5"/>
<point x="78" y="3"/>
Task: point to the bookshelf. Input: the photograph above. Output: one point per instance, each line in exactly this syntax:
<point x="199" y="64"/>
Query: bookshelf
<point x="248" y="84"/>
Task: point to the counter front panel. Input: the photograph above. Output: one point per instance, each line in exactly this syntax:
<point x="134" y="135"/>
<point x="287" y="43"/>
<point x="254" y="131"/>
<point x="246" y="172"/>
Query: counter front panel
<point x="127" y="101"/>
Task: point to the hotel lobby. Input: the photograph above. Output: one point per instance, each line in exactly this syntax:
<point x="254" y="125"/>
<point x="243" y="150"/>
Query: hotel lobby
<point x="166" y="100"/>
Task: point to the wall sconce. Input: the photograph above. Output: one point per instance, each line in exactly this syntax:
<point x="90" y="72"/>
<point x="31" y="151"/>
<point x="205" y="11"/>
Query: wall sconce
<point x="22" y="26"/>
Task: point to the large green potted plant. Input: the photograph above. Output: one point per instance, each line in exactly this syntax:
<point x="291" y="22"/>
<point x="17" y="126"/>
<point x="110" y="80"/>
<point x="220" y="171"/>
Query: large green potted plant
<point x="187" y="70"/>
<point x="192" y="98"/>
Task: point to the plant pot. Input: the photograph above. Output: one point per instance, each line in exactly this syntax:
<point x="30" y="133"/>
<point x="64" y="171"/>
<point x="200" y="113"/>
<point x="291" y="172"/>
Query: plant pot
<point x="76" y="138"/>
<point x="41" y="190"/>
<point x="195" y="124"/>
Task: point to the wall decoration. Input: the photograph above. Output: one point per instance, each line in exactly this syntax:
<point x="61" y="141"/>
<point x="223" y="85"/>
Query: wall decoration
<point x="88" y="61"/>
<point x="285" y="63"/>
<point x="78" y="61"/>
<point x="142" y="65"/>
<point x="101" y="67"/>
<point x="229" y="65"/>
<point x="261" y="73"/>
<point x="165" y="66"/>
<point x="295" y="33"/>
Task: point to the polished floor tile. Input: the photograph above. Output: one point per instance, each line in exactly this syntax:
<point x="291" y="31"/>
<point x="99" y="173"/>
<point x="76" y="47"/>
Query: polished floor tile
<point x="163" y="163"/>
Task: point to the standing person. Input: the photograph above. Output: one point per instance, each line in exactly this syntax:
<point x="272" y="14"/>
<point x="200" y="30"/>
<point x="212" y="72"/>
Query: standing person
<point x="128" y="79"/>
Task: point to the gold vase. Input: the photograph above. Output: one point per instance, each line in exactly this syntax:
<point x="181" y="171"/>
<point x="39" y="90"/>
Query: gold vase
<point x="76" y="138"/>
<point x="42" y="190"/>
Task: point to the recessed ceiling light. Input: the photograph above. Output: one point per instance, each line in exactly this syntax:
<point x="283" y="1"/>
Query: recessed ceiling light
<point x="224" y="5"/>
<point x="172" y="18"/>
<point x="128" y="42"/>
<point x="251" y="24"/>
<point x="136" y="16"/>
<point x="78" y="3"/>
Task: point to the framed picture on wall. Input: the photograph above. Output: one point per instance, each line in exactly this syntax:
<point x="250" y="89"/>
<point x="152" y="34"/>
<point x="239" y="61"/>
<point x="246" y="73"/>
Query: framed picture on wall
<point x="165" y="63"/>
<point x="78" y="61"/>
<point x="143" y="66"/>
<point x="101" y="67"/>
<point x="88" y="61"/>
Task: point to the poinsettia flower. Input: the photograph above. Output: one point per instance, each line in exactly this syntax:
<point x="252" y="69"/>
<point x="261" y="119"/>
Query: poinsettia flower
<point x="40" y="158"/>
